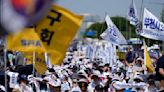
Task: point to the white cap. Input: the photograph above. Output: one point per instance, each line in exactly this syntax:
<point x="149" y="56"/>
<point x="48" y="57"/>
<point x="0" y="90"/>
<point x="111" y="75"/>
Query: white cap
<point x="55" y="83"/>
<point x="96" y="73"/>
<point x="141" y="59"/>
<point x="138" y="77"/>
<point x="83" y="80"/>
<point x="119" y="85"/>
<point x="47" y="78"/>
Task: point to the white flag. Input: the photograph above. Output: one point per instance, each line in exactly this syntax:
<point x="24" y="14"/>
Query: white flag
<point x="132" y="14"/>
<point x="112" y="34"/>
<point x="152" y="27"/>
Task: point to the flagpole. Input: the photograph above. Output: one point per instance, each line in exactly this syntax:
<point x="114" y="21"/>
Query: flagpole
<point x="127" y="27"/>
<point x="140" y="19"/>
<point x="33" y="61"/>
<point x="5" y="60"/>
<point x="144" y="52"/>
<point x="102" y="25"/>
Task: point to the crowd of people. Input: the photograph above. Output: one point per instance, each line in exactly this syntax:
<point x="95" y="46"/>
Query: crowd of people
<point x="86" y="69"/>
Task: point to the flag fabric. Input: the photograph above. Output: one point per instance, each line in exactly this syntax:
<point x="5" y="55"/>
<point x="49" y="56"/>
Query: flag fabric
<point x="39" y="61"/>
<point x="147" y="60"/>
<point x="26" y="41"/>
<point x="152" y="27"/>
<point x="28" y="57"/>
<point x="56" y="30"/>
<point x="132" y="14"/>
<point x="112" y="34"/>
<point x="40" y="64"/>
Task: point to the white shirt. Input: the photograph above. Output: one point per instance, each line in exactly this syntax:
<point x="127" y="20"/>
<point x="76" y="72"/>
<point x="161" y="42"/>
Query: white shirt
<point x="2" y="88"/>
<point x="23" y="89"/>
<point x="13" y="79"/>
<point x="65" y="86"/>
<point x="91" y="86"/>
<point x="76" y="89"/>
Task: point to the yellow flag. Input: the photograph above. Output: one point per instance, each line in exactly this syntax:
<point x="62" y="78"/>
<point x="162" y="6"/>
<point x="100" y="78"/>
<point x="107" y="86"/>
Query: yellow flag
<point x="40" y="64"/>
<point x="28" y="57"/>
<point x="56" y="30"/>
<point x="39" y="61"/>
<point x="27" y="40"/>
<point x="147" y="60"/>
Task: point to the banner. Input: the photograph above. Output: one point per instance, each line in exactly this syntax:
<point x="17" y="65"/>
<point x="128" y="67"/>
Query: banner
<point x="112" y="34"/>
<point x="56" y="30"/>
<point x="152" y="27"/>
<point x="132" y="14"/>
<point x="26" y="41"/>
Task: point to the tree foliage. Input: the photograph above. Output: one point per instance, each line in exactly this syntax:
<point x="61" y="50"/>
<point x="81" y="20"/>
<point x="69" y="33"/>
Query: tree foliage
<point x="162" y="15"/>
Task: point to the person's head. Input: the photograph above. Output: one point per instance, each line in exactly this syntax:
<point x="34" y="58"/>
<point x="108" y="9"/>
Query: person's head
<point x="74" y="82"/>
<point x="106" y="67"/>
<point x="99" y="88"/>
<point x="139" y="62"/>
<point x="95" y="65"/>
<point x="138" y="79"/>
<point x="65" y="78"/>
<point x="129" y="49"/>
<point x="118" y="88"/>
<point x="95" y="79"/>
<point x="83" y="84"/>
<point x="23" y="79"/>
<point x="151" y="79"/>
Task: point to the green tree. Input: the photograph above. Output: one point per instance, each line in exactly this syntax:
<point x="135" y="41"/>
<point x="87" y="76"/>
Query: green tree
<point x="97" y="28"/>
<point x="162" y="14"/>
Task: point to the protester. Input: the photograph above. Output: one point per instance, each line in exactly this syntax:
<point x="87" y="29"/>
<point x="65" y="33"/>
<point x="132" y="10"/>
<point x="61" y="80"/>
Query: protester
<point x="130" y="56"/>
<point x="95" y="81"/>
<point x="160" y="72"/>
<point x="23" y="85"/>
<point x="80" y="72"/>
<point x="75" y="87"/>
<point x="151" y="82"/>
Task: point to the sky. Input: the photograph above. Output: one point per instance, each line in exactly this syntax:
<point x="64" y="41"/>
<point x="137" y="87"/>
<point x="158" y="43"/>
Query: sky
<point x="111" y="7"/>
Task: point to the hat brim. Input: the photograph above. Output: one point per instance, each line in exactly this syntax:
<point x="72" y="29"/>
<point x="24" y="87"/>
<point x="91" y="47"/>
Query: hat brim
<point x="82" y="81"/>
<point x="94" y="76"/>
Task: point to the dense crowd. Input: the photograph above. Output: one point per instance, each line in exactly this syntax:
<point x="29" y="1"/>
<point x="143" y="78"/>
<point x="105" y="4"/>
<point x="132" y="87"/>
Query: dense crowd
<point x="82" y="71"/>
